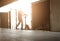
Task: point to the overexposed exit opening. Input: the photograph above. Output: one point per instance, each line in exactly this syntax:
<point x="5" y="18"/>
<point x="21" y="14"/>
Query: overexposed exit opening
<point x="23" y="5"/>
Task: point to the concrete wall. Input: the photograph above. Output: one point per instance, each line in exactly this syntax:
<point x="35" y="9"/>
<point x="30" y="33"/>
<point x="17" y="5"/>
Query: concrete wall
<point x="4" y="19"/>
<point x="41" y="15"/>
<point x="55" y="15"/>
<point x="0" y="20"/>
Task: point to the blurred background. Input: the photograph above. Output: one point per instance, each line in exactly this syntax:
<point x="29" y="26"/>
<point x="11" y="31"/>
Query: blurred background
<point x="30" y="15"/>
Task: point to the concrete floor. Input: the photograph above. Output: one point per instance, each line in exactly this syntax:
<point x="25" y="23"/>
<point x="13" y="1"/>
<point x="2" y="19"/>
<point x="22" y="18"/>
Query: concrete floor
<point x="22" y="35"/>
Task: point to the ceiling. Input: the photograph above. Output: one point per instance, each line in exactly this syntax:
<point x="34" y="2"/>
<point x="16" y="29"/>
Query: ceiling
<point x="5" y="2"/>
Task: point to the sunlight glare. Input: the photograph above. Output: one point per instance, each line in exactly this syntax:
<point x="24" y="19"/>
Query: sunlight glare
<point x="24" y="5"/>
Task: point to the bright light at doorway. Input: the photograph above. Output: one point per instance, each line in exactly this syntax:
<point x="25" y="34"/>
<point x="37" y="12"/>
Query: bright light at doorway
<point x="24" y="6"/>
<point x="34" y="0"/>
<point x="13" y="19"/>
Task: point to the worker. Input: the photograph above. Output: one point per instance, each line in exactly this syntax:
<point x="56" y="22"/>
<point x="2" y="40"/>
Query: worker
<point x="20" y="19"/>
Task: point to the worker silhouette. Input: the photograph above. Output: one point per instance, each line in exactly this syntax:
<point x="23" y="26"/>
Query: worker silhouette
<point x="20" y="19"/>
